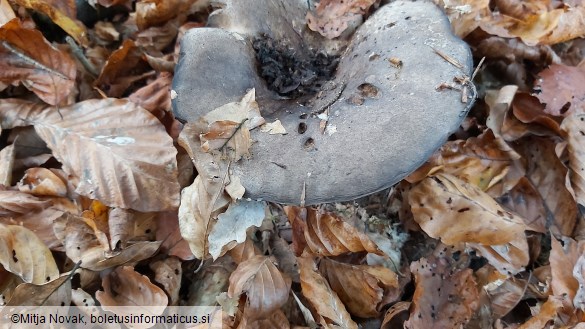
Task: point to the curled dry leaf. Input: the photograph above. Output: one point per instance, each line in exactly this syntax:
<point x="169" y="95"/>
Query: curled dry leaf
<point x="449" y="209"/>
<point x="168" y="274"/>
<point x="61" y="13"/>
<point x="548" y="174"/>
<point x="516" y="50"/>
<point x="155" y="97"/>
<point x="42" y="181"/>
<point x="331" y="18"/>
<point x="329" y="235"/>
<point x="231" y="226"/>
<point x="14" y="203"/>
<point x="121" y="227"/>
<point x="444" y="297"/>
<point x="329" y="308"/>
<point x="155" y="12"/>
<point x="121" y="154"/>
<point x="574" y="126"/>
<point x="563" y="259"/>
<point x="464" y="14"/>
<point x="169" y="233"/>
<point x="54" y="293"/>
<point x="7" y="156"/>
<point x="525" y="201"/>
<point x="528" y="110"/>
<point x="266" y="288"/>
<point x="543" y="313"/>
<point x="126" y="287"/>
<point x="116" y="75"/>
<point x="297" y="216"/>
<point x="362" y="288"/>
<point x="23" y="254"/>
<point x="27" y="57"/>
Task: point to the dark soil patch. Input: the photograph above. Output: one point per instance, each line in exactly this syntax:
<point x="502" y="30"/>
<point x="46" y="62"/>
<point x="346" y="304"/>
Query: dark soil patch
<point x="288" y="73"/>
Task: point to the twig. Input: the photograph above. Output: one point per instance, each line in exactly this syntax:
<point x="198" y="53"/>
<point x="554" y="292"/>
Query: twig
<point x="78" y="53"/>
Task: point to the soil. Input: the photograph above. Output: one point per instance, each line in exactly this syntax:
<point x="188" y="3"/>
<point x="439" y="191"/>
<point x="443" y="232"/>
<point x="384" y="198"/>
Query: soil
<point x="288" y="73"/>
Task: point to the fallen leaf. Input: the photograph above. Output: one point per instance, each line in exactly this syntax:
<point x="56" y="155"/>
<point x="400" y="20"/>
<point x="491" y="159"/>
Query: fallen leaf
<point x="62" y="13"/>
<point x="120" y="227"/>
<point x="168" y="274"/>
<point x="361" y="288"/>
<point x="6" y="12"/>
<point x="559" y="89"/>
<point x="543" y="313"/>
<point x="27" y="57"/>
<point x="7" y="156"/>
<point x="465" y="14"/>
<point x="42" y="181"/>
<point x="126" y="287"/>
<point x="155" y="97"/>
<point x="265" y="287"/>
<point x="168" y="231"/>
<point x="444" y="297"/>
<point x="120" y="152"/>
<point x="329" y="308"/>
<point x="331" y="18"/>
<point x="563" y="257"/>
<point x="154" y="12"/>
<point x="230" y="228"/>
<point x="23" y="254"/>
<point x="273" y="128"/>
<point x="525" y="201"/>
<point x="449" y="209"/>
<point x="54" y="293"/>
<point x="573" y="126"/>
<point x="13" y="203"/>
<point x="245" y="251"/>
<point x="118" y="73"/>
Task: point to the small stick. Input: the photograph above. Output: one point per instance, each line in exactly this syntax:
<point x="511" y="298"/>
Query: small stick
<point x="78" y="52"/>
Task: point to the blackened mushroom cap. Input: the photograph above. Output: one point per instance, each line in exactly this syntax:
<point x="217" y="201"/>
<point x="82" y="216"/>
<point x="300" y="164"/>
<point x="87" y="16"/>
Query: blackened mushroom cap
<point x="384" y="112"/>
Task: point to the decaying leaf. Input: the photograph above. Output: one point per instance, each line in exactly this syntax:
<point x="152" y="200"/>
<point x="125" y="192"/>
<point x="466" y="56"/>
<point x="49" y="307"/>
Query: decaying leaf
<point x="444" y="297"/>
<point x="117" y="74"/>
<point x="230" y="228"/>
<point x="543" y="313"/>
<point x="126" y="287"/>
<point x="13" y="203"/>
<point x="42" y="181"/>
<point x="54" y="293"/>
<point x="573" y="125"/>
<point x="331" y="18"/>
<point x="27" y="57"/>
<point x="121" y="153"/>
<point x="454" y="211"/>
<point x="168" y="273"/>
<point x="273" y="128"/>
<point x="23" y="254"/>
<point x="329" y="308"/>
<point x="265" y="287"/>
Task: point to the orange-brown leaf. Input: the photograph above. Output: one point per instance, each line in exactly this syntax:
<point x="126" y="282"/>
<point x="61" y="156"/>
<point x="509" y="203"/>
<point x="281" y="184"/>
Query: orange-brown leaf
<point x="27" y="57"/>
<point x="126" y="287"/>
<point x="331" y="18"/>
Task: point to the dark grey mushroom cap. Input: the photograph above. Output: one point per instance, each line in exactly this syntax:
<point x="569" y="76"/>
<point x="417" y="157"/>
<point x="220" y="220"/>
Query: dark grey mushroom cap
<point x="386" y="114"/>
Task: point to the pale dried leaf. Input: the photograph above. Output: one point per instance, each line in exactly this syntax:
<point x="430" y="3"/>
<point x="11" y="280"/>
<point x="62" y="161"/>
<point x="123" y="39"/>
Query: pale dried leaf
<point x="168" y="274"/>
<point x="464" y="14"/>
<point x="6" y="12"/>
<point x="195" y="217"/>
<point x="81" y="298"/>
<point x="323" y="299"/>
<point x="266" y="288"/>
<point x="120" y="152"/>
<point x="449" y="209"/>
<point x="331" y="18"/>
<point x="126" y="287"/>
<point x="574" y="126"/>
<point x="7" y="155"/>
<point x="273" y="128"/>
<point x="230" y="228"/>
<point x="235" y="189"/>
<point x="121" y="227"/>
<point x="42" y="182"/>
<point x="54" y="293"/>
<point x="23" y="254"/>
<point x="564" y="256"/>
<point x="13" y="203"/>
<point x="27" y="57"/>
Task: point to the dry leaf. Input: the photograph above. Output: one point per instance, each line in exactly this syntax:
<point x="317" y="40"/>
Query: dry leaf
<point x="13" y="203"/>
<point x="244" y="251"/>
<point x="361" y="288"/>
<point x="7" y="156"/>
<point x="54" y="293"/>
<point x="331" y="18"/>
<point x="324" y="300"/>
<point x="23" y="254"/>
<point x="543" y="314"/>
<point x="6" y="12"/>
<point x="155" y="97"/>
<point x="525" y="201"/>
<point x="444" y="297"/>
<point x="573" y="126"/>
<point x="119" y="71"/>
<point x="266" y="288"/>
<point x="449" y="209"/>
<point x="62" y="14"/>
<point x="563" y="258"/>
<point x="230" y="228"/>
<point x="42" y="181"/>
<point x="120" y="152"/>
<point x="168" y="274"/>
<point x="155" y="12"/>
<point x="126" y="287"/>
<point x="27" y="57"/>
<point x="121" y="227"/>
<point x="168" y="231"/>
<point x="273" y="128"/>
<point x="464" y="14"/>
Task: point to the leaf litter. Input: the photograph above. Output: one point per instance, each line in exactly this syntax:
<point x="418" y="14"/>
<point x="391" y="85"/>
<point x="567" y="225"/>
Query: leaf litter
<point x="487" y="233"/>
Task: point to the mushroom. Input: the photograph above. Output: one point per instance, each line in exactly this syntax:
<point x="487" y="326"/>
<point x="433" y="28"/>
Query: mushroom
<point x="382" y="113"/>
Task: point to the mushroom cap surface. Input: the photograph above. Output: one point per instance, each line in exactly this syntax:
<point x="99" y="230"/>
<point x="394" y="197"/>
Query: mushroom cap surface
<point x="386" y="112"/>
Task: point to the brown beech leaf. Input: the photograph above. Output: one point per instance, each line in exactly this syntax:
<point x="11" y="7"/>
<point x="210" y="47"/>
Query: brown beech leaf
<point x="574" y="126"/>
<point x="54" y="293"/>
<point x="120" y="227"/>
<point x="444" y="297"/>
<point x="528" y="110"/>
<point x="155" y="12"/>
<point x="516" y="50"/>
<point x="23" y="254"/>
<point x="525" y="201"/>
<point x="548" y="174"/>
<point x="396" y="315"/>
<point x="449" y="209"/>
<point x="331" y="18"/>
<point x="126" y="287"/>
<point x="27" y="57"/>
<point x="168" y="273"/>
<point x="121" y="154"/>
<point x="329" y="235"/>
<point x="155" y="97"/>
<point x="168" y="231"/>
<point x="42" y="181"/>
<point x="244" y="251"/>
<point x="464" y="14"/>
<point x="62" y="13"/>
<point x="118" y="72"/>
<point x="509" y="258"/>
<point x="543" y="313"/>
<point x="324" y="300"/>
<point x="13" y="203"/>
<point x="276" y="320"/>
<point x="361" y="288"/>
<point x="503" y="292"/>
<point x="563" y="257"/>
<point x="265" y="287"/>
